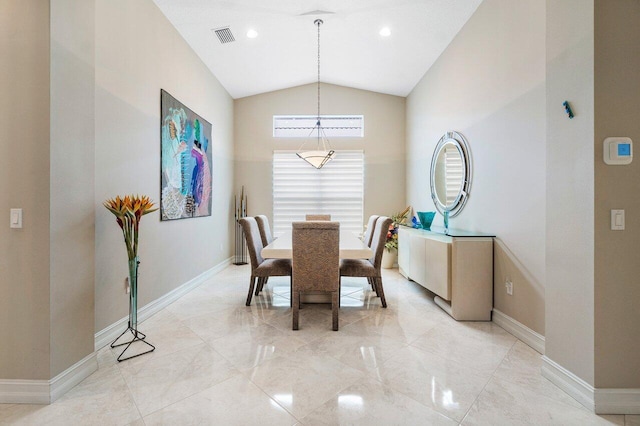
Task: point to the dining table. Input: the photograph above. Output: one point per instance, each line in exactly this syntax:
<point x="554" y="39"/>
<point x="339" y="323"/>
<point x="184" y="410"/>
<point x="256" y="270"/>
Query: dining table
<point x="351" y="247"/>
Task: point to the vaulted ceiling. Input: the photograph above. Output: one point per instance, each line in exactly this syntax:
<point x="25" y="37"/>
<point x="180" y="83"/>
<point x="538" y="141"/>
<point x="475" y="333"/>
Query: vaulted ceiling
<point x="353" y="52"/>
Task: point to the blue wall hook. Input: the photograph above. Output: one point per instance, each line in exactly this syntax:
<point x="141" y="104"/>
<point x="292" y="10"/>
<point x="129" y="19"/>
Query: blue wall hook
<point x="567" y="109"/>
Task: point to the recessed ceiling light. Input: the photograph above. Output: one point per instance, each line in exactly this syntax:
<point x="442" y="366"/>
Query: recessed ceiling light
<point x="252" y="34"/>
<point x="385" y="32"/>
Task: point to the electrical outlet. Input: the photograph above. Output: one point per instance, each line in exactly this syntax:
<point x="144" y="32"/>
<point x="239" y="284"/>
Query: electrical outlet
<point x="127" y="289"/>
<point x="509" y="286"/>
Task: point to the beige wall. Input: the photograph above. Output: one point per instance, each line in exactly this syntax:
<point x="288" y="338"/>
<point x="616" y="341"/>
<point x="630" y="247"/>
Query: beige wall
<point x="489" y="84"/>
<point x="24" y="183"/>
<point x="570" y="189"/>
<point x="72" y="209"/>
<point x="383" y="143"/>
<point x="138" y="52"/>
<point x="617" y="255"/>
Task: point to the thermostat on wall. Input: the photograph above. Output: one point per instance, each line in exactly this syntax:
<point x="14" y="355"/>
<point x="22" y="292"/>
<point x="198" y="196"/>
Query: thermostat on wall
<point x="618" y="151"/>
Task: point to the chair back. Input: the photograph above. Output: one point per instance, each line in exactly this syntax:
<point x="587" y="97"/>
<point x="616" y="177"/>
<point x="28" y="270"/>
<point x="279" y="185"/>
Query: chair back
<point x="318" y="217"/>
<point x="254" y="241"/>
<point x="316" y="256"/>
<point x="378" y="240"/>
<point x="368" y="233"/>
<point x="265" y="230"/>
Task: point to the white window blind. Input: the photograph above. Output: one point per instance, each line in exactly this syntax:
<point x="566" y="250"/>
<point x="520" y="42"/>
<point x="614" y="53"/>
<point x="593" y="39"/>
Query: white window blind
<point x="336" y="189"/>
<point x="302" y="126"/>
<point x="453" y="167"/>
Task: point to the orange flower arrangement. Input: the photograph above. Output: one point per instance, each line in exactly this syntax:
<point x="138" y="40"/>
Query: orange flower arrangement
<point x="128" y="212"/>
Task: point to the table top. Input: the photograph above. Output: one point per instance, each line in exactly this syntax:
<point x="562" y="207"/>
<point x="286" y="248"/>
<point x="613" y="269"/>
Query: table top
<point x="351" y="247"/>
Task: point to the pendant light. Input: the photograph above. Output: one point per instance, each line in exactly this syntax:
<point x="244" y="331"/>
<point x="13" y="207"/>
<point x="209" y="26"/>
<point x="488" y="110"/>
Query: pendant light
<point x="323" y="152"/>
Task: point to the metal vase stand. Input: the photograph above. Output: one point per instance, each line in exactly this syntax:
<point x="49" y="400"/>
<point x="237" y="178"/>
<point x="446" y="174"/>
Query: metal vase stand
<point x="133" y="317"/>
<point x="241" y="244"/>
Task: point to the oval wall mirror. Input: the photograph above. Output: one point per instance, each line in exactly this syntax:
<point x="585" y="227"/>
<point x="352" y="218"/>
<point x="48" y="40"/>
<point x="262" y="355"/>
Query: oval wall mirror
<point x="451" y="174"/>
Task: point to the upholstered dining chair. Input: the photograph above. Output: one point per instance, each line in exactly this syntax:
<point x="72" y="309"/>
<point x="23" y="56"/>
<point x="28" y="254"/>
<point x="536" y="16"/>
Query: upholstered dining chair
<point x="368" y="233"/>
<point x="370" y="268"/>
<point x="316" y="263"/>
<point x="261" y="268"/>
<point x="265" y="230"/>
<point x="317" y="217"/>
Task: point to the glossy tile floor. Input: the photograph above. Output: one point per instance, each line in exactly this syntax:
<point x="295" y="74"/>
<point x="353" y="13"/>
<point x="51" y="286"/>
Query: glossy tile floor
<point x="219" y="362"/>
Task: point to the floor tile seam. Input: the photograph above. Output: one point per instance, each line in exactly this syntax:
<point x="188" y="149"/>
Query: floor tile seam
<point x="491" y="378"/>
<point x="247" y="375"/>
<point x="359" y="379"/>
<point x="408" y="395"/>
<point x="544" y="395"/>
<point x="126" y="383"/>
<point x="191" y="395"/>
<point x="467" y="369"/>
<point x="476" y="399"/>
<point x="376" y="333"/>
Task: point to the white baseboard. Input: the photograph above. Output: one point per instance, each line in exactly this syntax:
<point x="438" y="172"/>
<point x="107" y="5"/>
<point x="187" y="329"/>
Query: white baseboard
<point x="577" y="388"/>
<point x="47" y="391"/>
<point x="110" y="333"/>
<point x="73" y="375"/>
<point x="617" y="401"/>
<point x="598" y="400"/>
<point x="521" y="331"/>
<point x="24" y="392"/>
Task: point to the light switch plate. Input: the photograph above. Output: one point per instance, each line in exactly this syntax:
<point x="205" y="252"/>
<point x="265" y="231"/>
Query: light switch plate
<point x="15" y="218"/>
<point x="617" y="220"/>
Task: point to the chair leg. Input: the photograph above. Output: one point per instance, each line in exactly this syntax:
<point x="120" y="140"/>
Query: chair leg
<point x="296" y="305"/>
<point x="335" y="307"/>
<point x="381" y="291"/>
<point x="251" y="284"/>
<point x="374" y="285"/>
<point x="260" y="285"/>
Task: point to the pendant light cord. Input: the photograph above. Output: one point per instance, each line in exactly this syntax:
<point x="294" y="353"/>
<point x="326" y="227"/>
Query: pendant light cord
<point x="318" y="22"/>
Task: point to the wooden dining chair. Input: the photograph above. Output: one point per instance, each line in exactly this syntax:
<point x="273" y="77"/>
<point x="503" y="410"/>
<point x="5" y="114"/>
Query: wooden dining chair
<point x="370" y="268"/>
<point x="265" y="230"/>
<point x="316" y="263"/>
<point x="261" y="268"/>
<point x="317" y="217"/>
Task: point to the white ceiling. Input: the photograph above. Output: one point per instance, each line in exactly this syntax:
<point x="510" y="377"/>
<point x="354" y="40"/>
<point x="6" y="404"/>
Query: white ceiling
<point x="352" y="51"/>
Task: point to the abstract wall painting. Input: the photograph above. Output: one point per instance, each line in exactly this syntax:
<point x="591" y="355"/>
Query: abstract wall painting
<point x="186" y="162"/>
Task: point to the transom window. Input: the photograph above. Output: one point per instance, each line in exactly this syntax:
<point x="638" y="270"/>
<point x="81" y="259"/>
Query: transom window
<point x="304" y="126"/>
<point x="336" y="189"/>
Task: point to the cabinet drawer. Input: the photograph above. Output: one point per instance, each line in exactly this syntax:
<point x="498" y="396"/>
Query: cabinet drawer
<point x="437" y="261"/>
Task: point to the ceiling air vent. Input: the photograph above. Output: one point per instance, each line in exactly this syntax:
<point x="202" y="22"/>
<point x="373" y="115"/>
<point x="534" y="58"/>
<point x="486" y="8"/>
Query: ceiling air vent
<point x="224" y="35"/>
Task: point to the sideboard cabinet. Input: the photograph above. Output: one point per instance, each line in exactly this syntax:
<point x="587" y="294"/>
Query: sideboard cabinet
<point x="457" y="267"/>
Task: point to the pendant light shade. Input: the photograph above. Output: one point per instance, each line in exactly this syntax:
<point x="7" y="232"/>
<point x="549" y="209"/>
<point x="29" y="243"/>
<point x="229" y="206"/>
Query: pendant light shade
<point x="323" y="152"/>
<point x="317" y="158"/>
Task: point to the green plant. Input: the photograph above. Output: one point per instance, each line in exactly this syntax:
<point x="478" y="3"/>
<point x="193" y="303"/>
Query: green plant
<point x="392" y="233"/>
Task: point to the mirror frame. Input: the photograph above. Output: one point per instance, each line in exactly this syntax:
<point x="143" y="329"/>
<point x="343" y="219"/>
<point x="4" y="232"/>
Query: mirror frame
<point x="461" y="144"/>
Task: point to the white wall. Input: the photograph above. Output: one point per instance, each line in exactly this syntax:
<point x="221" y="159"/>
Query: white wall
<point x="138" y="52"/>
<point x="570" y="187"/>
<point x="489" y="84"/>
<point x="383" y="143"/>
